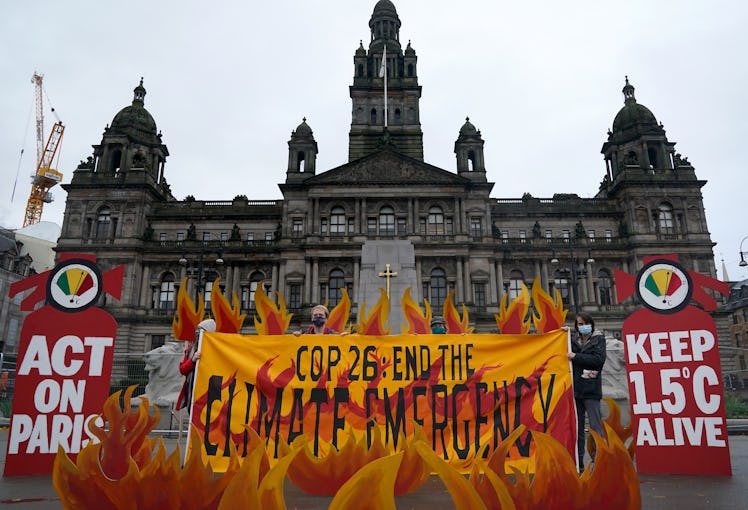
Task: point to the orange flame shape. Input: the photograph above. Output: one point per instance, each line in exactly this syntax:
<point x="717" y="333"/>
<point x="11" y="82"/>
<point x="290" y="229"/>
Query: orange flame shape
<point x="418" y="321"/>
<point x="512" y="319"/>
<point x="270" y="319"/>
<point x="614" y="421"/>
<point x="187" y="318"/>
<point x="549" y="312"/>
<point x="229" y="319"/>
<point x="452" y="317"/>
<point x="373" y="324"/>
<point x="338" y="319"/>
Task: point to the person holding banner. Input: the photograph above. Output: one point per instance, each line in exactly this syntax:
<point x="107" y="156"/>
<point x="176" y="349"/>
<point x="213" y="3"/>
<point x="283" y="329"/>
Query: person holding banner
<point x="319" y="317"/>
<point x="587" y="359"/>
<point x="188" y="364"/>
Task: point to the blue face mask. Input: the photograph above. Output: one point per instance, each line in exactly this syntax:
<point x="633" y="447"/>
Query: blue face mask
<point x="585" y="329"/>
<point x="318" y="321"/>
<point x="438" y="330"/>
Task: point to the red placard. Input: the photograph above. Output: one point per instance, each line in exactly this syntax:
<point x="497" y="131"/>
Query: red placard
<point x="64" y="364"/>
<point x="675" y="388"/>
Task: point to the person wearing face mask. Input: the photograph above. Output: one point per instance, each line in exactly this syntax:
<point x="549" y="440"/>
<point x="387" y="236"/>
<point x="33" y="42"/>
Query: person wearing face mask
<point x="587" y="359"/>
<point x="438" y="326"/>
<point x="319" y="318"/>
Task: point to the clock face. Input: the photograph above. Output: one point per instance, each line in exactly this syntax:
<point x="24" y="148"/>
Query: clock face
<point x="74" y="285"/>
<point x="664" y="286"/>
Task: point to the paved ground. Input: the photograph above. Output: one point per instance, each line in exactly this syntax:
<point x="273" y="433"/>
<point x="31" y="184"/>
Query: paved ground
<point x="660" y="492"/>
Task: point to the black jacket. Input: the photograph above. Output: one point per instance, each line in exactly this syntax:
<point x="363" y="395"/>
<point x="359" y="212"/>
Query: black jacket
<point x="590" y="356"/>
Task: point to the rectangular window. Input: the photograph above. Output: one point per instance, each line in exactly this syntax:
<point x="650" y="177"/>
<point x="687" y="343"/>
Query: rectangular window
<point x="351" y="225"/>
<point x="224" y="236"/>
<point x="548" y="235"/>
<point x="566" y="235"/>
<point x="297" y="227"/>
<point x="479" y="289"/>
<point x="741" y="361"/>
<point x="245" y="298"/>
<point x="401" y="227"/>
<point x="180" y="236"/>
<point x="323" y="226"/>
<point x="591" y="235"/>
<point x="425" y="291"/>
<point x="422" y="225"/>
<point x="608" y="235"/>
<point x="157" y="341"/>
<point x="449" y="226"/>
<point x="371" y="226"/>
<point x="523" y="236"/>
<point x="294" y="295"/>
<point x="504" y="236"/>
<point x="162" y="236"/>
<point x="475" y="228"/>
<point x="737" y="339"/>
<point x="250" y="236"/>
<point x="268" y="236"/>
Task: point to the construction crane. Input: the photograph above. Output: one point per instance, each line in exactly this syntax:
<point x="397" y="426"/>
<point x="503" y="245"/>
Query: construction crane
<point x="45" y="177"/>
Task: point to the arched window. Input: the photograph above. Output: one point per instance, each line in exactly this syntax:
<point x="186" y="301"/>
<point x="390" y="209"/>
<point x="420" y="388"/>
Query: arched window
<point x="605" y="287"/>
<point x="166" y="292"/>
<point x="337" y="221"/>
<point x="471" y="160"/>
<point x="335" y="285"/>
<point x="516" y="279"/>
<point x="254" y="280"/>
<point x="398" y="115"/>
<point x="665" y="219"/>
<point x="561" y="282"/>
<point x="103" y="223"/>
<point x="410" y="70"/>
<point x="435" y="224"/>
<point x="438" y="287"/>
<point x="360" y="70"/>
<point x="207" y="290"/>
<point x="386" y="221"/>
<point x="374" y="116"/>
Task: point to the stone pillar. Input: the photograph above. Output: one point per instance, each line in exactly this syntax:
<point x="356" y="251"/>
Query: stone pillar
<point x="459" y="295"/>
<point x="500" y="279"/>
<point x="356" y="277"/>
<point x="468" y="284"/>
<point x="315" y="280"/>
<point x="417" y="288"/>
<point x="544" y="275"/>
<point x="492" y="283"/>
<point x="145" y="287"/>
<point x="307" y="281"/>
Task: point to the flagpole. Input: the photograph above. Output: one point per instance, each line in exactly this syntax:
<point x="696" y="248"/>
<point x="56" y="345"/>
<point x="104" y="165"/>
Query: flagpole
<point x="384" y="65"/>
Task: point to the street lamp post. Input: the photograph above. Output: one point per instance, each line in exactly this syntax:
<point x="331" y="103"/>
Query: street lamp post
<point x="573" y="270"/>
<point x="200" y="269"/>
<point x="742" y="262"/>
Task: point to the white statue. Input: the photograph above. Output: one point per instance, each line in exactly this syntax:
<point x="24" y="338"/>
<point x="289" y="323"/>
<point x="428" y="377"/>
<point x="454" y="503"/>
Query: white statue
<point x="164" y="379"/>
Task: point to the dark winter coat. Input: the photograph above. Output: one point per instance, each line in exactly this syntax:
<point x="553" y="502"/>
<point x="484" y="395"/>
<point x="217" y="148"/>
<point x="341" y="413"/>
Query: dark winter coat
<point x="589" y="355"/>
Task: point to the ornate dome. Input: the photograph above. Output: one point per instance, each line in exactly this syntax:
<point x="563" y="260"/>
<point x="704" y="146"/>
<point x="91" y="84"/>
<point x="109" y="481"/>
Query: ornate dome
<point x="302" y="130"/>
<point x="135" y="121"/>
<point x="468" y="129"/>
<point x="384" y="7"/>
<point x="633" y="119"/>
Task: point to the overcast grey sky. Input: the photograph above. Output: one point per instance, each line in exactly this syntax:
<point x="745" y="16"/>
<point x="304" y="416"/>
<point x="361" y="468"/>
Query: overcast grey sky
<point x="228" y="81"/>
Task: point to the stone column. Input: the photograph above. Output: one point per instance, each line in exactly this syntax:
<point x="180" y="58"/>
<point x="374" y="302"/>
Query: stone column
<point x="356" y="276"/>
<point x="281" y="284"/>
<point x="145" y="287"/>
<point x="459" y="295"/>
<point x="418" y="290"/>
<point x="492" y="283"/>
<point x="315" y="280"/>
<point x="307" y="281"/>
<point x="468" y="285"/>
<point x="590" y="288"/>
<point x="500" y="279"/>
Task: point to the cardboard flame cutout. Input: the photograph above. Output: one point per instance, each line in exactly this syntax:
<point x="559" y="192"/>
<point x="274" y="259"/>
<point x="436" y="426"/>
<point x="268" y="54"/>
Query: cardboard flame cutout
<point x="338" y="319"/>
<point x="373" y="323"/>
<point x="271" y="319"/>
<point x="549" y="313"/>
<point x="452" y="317"/>
<point x="186" y="318"/>
<point x="418" y="321"/>
<point x="229" y="319"/>
<point x="513" y="319"/>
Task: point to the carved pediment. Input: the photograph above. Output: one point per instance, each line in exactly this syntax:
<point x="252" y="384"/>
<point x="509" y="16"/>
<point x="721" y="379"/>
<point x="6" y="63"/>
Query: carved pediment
<point x="387" y="167"/>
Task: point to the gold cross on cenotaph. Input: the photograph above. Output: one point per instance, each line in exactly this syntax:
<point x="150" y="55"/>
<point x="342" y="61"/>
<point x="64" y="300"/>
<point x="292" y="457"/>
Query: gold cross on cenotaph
<point x="388" y="273"/>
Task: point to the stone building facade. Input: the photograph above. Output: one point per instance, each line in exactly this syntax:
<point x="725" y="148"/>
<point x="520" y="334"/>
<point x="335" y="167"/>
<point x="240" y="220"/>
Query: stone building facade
<point x="308" y="244"/>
